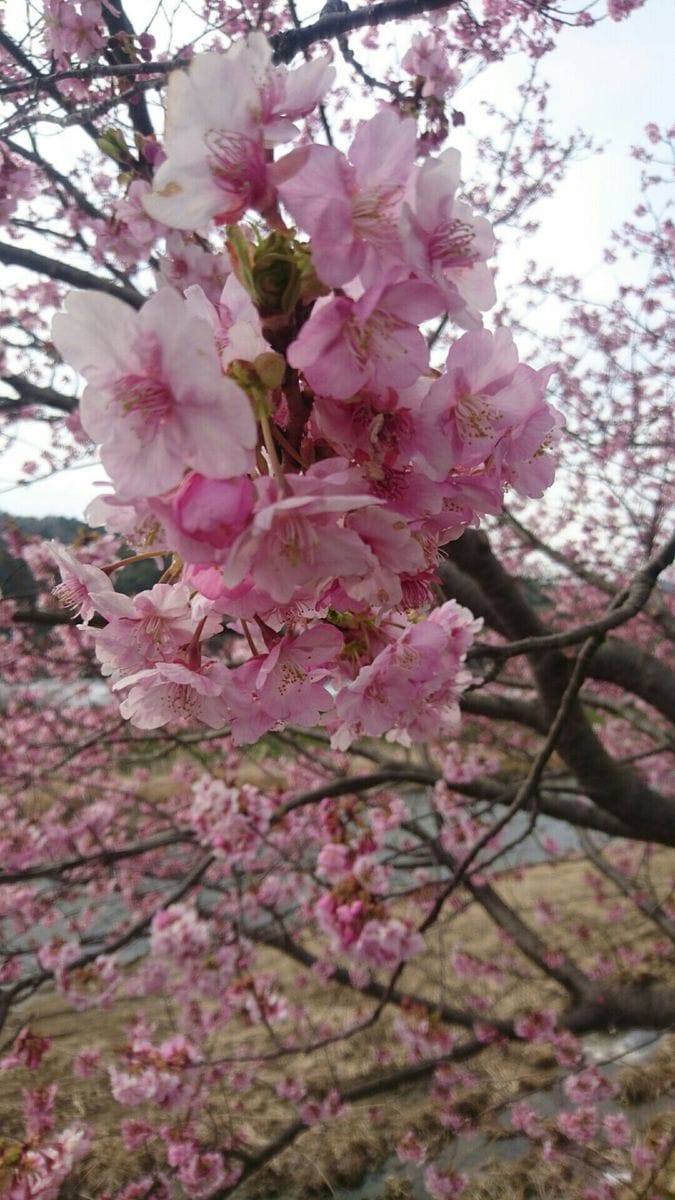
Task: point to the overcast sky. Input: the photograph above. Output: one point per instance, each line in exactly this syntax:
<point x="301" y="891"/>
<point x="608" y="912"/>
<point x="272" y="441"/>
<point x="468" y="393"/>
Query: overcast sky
<point x="611" y="81"/>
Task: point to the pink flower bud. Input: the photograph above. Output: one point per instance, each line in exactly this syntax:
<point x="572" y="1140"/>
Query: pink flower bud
<point x="214" y="511"/>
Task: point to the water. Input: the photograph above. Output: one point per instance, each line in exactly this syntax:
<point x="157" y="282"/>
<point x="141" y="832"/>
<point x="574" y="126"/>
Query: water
<point x="77" y="693"/>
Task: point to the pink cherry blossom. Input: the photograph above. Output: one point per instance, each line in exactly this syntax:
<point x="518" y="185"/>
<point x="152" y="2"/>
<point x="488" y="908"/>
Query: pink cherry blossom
<point x="410" y="1149"/>
<point x="73" y="28"/>
<point x="83" y="587"/>
<point x="444" y="1185"/>
<point x="445" y="242"/>
<point x="333" y="861"/>
<point x="207" y="515"/>
<point x="588" y="1085"/>
<point x="234" y="319"/>
<point x="152" y="626"/>
<point x="536" y="1026"/>
<point x="156" y="398"/>
<point x="296" y="543"/>
<point x="230" y="819"/>
<point x="350" y="206"/>
<point x="216" y="159"/>
<point x="287" y="684"/>
<point x="386" y="943"/>
<point x="483" y="406"/>
<point x="173" y="691"/>
<point x="28" y="1050"/>
<point x="428" y="59"/>
<point x="372" y="342"/>
<point x="616" y="1129"/>
<point x="411" y="688"/>
<point x="581" y="1125"/>
<point x="526" y="1120"/>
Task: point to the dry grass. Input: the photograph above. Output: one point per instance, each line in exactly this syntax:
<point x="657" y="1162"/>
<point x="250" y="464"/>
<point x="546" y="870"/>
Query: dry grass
<point x="365" y="1135"/>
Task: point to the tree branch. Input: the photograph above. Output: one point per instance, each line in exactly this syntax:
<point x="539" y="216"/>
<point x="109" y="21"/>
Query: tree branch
<point x="31" y="393"/>
<point x="29" y="260"/>
<point x="626" y="886"/>
<point x="615" y="789"/>
<point x="633" y="599"/>
<point x="290" y="42"/>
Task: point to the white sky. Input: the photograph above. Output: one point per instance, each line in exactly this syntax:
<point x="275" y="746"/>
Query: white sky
<point x="610" y="80"/>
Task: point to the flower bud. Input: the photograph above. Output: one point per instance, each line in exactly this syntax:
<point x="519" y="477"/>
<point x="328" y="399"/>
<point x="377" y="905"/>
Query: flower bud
<point x="214" y="511"/>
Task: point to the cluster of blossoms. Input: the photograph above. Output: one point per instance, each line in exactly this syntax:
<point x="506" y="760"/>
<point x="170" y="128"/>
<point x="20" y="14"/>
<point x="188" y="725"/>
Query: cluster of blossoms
<point x="287" y="441"/>
<point x="73" y="29"/>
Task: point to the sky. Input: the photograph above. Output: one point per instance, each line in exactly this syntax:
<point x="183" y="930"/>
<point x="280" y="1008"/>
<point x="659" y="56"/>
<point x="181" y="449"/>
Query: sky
<point x="610" y="80"/>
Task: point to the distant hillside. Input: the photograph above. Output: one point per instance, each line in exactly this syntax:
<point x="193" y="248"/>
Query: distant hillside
<point x="16" y="580"/>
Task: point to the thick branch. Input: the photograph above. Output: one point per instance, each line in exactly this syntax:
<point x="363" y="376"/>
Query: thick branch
<point x="653" y="609"/>
<point x="56" y="177"/>
<point x="14" y="50"/>
<point x="378" y="991"/>
<point x="290" y="42"/>
<point x="460" y="586"/>
<point x="529" y="943"/>
<point x="636" y="596"/>
<point x="632" y="668"/>
<point x="126" y="70"/>
<point x="31" y="393"/>
<point x="29" y="260"/>
<point x="31" y="983"/>
<point x="503" y="708"/>
<point x="121" y="40"/>
<point x="615" y="789"/>
<point x="373" y="1086"/>
<point x="614" y="661"/>
<point x="105" y="857"/>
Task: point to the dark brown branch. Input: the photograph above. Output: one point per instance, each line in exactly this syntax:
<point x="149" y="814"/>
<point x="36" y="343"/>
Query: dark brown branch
<point x="124" y="70"/>
<point x="362" y="1090"/>
<point x="460" y="586"/>
<point x="564" y="972"/>
<point x="378" y="991"/>
<point x="105" y="857"/>
<point x="14" y="50"/>
<point x="616" y="789"/>
<point x="634" y="599"/>
<point x="31" y="393"/>
<point x="622" y="1008"/>
<point x="31" y="983"/>
<point x="354" y="784"/>
<point x="503" y="708"/>
<point x="50" y="616"/>
<point x="56" y="177"/>
<point x="638" y="672"/>
<point x="29" y="260"/>
<point x="290" y="42"/>
<point x="563" y="808"/>
<point x="614" y="661"/>
<point x="654" y="611"/>
<point x="120" y="49"/>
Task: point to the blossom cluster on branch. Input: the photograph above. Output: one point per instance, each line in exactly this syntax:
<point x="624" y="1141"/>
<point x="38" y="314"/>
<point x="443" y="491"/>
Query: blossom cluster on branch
<point x="288" y="443"/>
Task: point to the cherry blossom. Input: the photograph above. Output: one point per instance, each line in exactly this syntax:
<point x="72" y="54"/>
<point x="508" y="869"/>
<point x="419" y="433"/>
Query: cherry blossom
<point x="447" y="243"/>
<point x="350" y="206"/>
<point x="156" y="399"/>
<point x="374" y="341"/>
<point x="216" y="163"/>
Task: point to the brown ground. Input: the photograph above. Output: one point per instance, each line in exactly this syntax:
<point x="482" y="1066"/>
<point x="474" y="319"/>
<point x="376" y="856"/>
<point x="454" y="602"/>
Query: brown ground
<point x="320" y="1161"/>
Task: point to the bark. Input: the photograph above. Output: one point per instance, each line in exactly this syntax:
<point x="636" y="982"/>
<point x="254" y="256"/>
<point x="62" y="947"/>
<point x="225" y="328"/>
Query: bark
<point x="617" y="790"/>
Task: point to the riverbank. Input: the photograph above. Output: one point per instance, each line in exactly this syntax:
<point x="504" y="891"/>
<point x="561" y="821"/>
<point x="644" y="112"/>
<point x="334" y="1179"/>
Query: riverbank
<point x="351" y="1159"/>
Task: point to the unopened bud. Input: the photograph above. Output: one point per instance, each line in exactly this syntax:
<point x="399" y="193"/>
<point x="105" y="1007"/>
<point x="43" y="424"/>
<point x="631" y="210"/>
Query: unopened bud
<point x="270" y="368"/>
